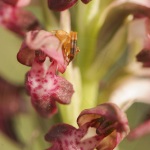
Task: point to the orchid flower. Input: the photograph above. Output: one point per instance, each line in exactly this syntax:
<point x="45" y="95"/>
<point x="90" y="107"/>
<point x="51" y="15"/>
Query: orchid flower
<point x="98" y="126"/>
<point x="17" y="20"/>
<point x="43" y="51"/>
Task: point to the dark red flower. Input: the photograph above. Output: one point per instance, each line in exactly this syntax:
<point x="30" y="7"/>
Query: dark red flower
<point x="102" y="127"/>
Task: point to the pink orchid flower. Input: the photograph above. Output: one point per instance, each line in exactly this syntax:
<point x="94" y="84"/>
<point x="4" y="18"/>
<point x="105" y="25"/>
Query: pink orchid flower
<point x="43" y="51"/>
<point x="18" y="3"/>
<point x="17" y="19"/>
<point x="101" y="128"/>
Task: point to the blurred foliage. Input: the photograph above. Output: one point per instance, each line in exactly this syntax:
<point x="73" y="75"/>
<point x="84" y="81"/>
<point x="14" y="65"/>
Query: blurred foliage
<point x="135" y="116"/>
<point x="9" y="66"/>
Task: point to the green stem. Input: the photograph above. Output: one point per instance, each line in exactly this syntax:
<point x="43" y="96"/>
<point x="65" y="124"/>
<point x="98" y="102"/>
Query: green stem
<point x="89" y="94"/>
<point x="50" y="22"/>
<point x="69" y="113"/>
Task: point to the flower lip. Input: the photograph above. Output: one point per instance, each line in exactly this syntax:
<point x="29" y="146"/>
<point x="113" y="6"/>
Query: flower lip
<point x="46" y="108"/>
<point x="46" y="88"/>
<point x="57" y="131"/>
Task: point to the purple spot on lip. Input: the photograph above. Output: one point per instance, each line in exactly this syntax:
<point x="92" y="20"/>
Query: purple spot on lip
<point x="45" y="81"/>
<point x="66" y="143"/>
<point x="71" y="142"/>
<point x="39" y="71"/>
<point x="38" y="80"/>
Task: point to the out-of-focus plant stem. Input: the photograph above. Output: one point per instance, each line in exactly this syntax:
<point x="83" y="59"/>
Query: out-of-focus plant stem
<point x="89" y="93"/>
<point x="50" y="22"/>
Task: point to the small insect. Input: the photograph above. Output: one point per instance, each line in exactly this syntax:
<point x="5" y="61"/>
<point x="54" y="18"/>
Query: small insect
<point x="69" y="44"/>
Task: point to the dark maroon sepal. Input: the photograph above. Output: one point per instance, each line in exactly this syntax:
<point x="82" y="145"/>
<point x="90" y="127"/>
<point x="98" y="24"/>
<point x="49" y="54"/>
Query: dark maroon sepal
<point x="60" y="5"/>
<point x="86" y="1"/>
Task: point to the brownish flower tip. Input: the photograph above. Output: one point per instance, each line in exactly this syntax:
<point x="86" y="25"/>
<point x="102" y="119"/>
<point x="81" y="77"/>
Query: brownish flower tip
<point x="60" y="5"/>
<point x="143" y="56"/>
<point x="86" y="1"/>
